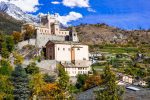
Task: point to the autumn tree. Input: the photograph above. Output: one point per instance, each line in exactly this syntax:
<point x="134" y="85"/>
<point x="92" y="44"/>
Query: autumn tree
<point x="36" y="84"/>
<point x="51" y="91"/>
<point x="92" y="81"/>
<point x="18" y="59"/>
<point x="109" y="90"/>
<point x="28" y="31"/>
<point x="20" y="82"/>
<point x="17" y="36"/>
<point x="6" y="88"/>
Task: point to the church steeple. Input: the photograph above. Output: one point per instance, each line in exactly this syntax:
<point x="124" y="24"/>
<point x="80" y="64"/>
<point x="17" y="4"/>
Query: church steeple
<point x="74" y="36"/>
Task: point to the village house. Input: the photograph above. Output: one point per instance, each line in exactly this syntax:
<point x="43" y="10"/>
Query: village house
<point x="127" y="79"/>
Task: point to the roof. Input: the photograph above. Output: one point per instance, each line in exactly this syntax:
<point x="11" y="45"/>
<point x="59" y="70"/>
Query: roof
<point x="133" y="88"/>
<point x="70" y="65"/>
<point x="64" y="42"/>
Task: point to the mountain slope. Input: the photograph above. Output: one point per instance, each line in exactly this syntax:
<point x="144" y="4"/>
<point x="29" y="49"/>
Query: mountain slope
<point x="104" y="34"/>
<point x="16" y="12"/>
<point x="9" y="24"/>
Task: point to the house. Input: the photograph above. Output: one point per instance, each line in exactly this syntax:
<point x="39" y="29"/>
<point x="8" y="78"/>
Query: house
<point x="140" y="83"/>
<point x="127" y="79"/>
<point x="72" y="55"/>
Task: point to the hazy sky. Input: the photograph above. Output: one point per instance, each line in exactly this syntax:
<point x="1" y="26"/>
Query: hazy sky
<point x="127" y="14"/>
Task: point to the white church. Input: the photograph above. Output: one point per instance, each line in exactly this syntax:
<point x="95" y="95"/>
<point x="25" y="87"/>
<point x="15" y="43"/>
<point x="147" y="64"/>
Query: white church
<point x="62" y="45"/>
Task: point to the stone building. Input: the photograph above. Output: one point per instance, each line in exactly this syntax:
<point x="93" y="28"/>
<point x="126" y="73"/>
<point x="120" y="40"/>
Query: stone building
<point x="49" y="29"/>
<point x="62" y="45"/>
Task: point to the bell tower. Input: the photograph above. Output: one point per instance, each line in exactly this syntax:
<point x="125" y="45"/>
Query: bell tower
<point x="73" y="35"/>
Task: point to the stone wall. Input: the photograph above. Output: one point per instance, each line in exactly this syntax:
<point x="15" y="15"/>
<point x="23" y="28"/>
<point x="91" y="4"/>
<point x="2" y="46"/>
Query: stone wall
<point x="24" y="43"/>
<point x="42" y="39"/>
<point x="46" y="66"/>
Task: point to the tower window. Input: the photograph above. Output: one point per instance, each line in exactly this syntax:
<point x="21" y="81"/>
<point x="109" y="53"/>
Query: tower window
<point x="58" y="49"/>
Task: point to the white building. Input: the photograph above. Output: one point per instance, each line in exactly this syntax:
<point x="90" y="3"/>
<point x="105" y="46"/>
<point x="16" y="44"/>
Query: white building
<point x="73" y="56"/>
<point x="127" y="79"/>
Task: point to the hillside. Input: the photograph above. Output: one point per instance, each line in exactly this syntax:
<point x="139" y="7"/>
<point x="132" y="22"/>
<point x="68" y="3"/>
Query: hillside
<point x="104" y="34"/>
<point x="9" y="24"/>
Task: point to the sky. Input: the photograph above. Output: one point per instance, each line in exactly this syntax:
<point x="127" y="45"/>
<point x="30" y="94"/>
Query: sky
<point x="125" y="14"/>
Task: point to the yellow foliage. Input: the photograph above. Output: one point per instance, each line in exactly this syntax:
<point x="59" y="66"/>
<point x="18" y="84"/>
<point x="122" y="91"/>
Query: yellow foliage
<point x="18" y="58"/>
<point x="17" y="36"/>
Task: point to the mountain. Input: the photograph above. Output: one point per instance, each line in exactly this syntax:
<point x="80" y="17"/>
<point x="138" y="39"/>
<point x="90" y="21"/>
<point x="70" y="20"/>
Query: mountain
<point x="16" y="12"/>
<point x="100" y="34"/>
<point x="8" y="24"/>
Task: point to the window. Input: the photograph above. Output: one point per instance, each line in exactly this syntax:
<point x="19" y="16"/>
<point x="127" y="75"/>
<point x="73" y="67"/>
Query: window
<point x="68" y="49"/>
<point x="78" y="49"/>
<point x="58" y="49"/>
<point x="63" y="48"/>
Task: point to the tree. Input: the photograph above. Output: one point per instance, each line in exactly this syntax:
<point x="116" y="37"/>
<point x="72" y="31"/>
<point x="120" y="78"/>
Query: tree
<point x="32" y="68"/>
<point x="49" y="78"/>
<point x="110" y="90"/>
<point x="6" y="68"/>
<point x="81" y="80"/>
<point x="92" y="81"/>
<point x="10" y="43"/>
<point x="29" y="32"/>
<point x="18" y="59"/>
<point x="6" y="88"/>
<point x="51" y="91"/>
<point x="36" y="84"/>
<point x="1" y="40"/>
<point x="148" y="82"/>
<point x="63" y="78"/>
<point x="4" y="50"/>
<point x="17" y="36"/>
<point x="63" y="82"/>
<point x="21" y="84"/>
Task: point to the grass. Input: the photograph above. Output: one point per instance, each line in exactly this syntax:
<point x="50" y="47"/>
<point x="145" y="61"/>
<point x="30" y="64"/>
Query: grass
<point x="119" y="49"/>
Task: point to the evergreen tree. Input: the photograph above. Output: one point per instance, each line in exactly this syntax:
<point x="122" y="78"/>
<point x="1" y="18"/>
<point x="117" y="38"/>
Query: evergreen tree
<point x="6" y="68"/>
<point x="21" y="84"/>
<point x="4" y="50"/>
<point x="81" y="80"/>
<point x="49" y="78"/>
<point x="63" y="78"/>
<point x="63" y="83"/>
<point x="10" y="43"/>
<point x="32" y="68"/>
<point x="110" y="90"/>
